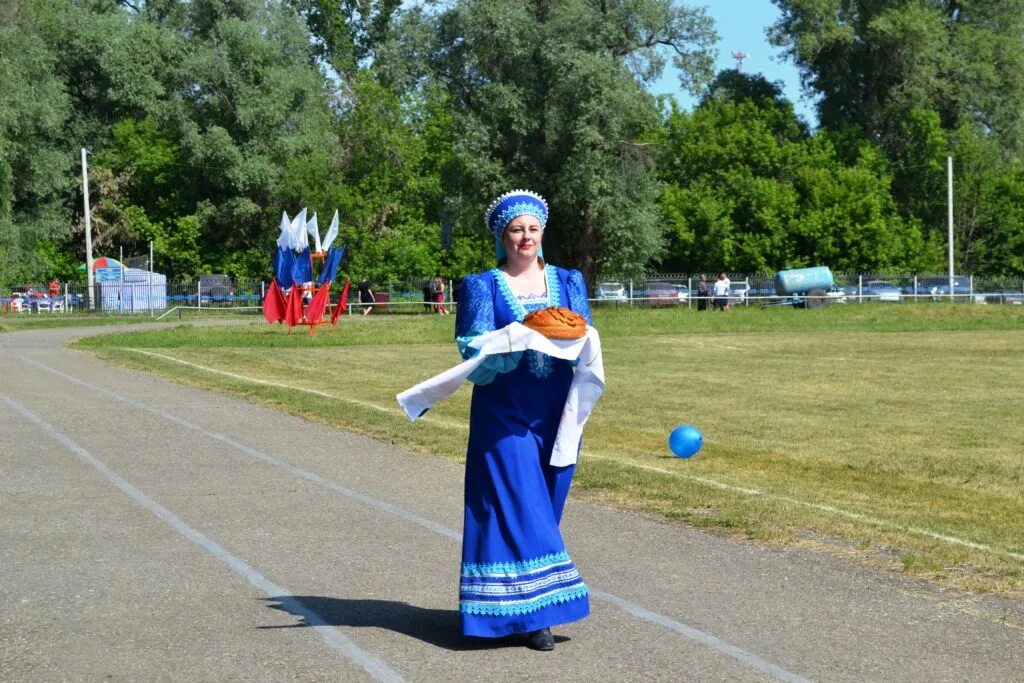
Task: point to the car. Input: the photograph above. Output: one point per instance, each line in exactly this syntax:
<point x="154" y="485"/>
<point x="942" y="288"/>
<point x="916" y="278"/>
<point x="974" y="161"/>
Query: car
<point x="837" y="295"/>
<point x="27" y="292"/>
<point x="659" y="294"/>
<point x="610" y="291"/>
<point x="216" y="288"/>
<point x="1012" y="297"/>
<point x="738" y="292"/>
<point x="882" y="290"/>
<point x="938" y="287"/>
<point x="683" y="293"/>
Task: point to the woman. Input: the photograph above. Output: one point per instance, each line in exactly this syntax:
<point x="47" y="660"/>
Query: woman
<point x="517" y="577"/>
<point x="366" y="296"/>
<point x="702" y="294"/>
<point x="437" y="287"/>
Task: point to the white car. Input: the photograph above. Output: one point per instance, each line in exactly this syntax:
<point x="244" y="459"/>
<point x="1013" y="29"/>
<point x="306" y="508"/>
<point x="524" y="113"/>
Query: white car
<point x="837" y="296"/>
<point x="882" y="290"/>
<point x="611" y="291"/>
<point x="738" y="292"/>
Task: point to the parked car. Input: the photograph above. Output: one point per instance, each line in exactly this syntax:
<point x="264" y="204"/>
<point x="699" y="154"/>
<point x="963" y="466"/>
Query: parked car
<point x="610" y="291"/>
<point x="882" y="290"/>
<point x="659" y="294"/>
<point x="216" y="288"/>
<point x="738" y="292"/>
<point x="73" y="300"/>
<point x="938" y="287"/>
<point x="27" y="292"/>
<point x="837" y="295"/>
<point x="1012" y="297"/>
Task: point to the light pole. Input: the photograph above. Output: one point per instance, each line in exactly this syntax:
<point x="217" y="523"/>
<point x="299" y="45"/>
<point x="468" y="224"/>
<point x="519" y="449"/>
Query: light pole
<point x="949" y="202"/>
<point x="88" y="229"/>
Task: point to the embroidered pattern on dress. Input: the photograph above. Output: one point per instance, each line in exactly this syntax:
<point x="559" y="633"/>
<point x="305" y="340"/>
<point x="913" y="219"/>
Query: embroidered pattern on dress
<point x="578" y="295"/>
<point x="476" y="315"/>
<point x="512" y="568"/>
<point x="507" y="588"/>
<point x="506" y="292"/>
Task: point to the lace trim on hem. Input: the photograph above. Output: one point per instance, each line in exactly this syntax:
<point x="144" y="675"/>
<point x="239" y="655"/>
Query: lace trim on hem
<point x="499" y="610"/>
<point x="514" y="568"/>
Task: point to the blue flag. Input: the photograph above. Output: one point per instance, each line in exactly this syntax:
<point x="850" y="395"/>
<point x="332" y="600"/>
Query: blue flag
<point x="331" y="264"/>
<point x="284" y="261"/>
<point x="302" y="267"/>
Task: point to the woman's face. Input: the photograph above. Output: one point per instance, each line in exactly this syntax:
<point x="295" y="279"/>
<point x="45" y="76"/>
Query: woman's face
<point x="522" y="238"/>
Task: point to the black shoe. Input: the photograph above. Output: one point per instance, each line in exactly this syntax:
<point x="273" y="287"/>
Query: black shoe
<point x="540" y="640"/>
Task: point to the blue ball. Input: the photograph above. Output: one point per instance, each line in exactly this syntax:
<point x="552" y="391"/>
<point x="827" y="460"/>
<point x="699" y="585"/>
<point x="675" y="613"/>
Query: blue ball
<point x="685" y="440"/>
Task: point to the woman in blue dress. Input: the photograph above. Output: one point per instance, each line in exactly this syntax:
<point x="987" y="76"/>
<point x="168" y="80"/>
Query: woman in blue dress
<point x="517" y="577"/>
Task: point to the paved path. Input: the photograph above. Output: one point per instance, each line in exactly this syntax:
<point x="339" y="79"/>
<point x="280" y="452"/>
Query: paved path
<point x="154" y="531"/>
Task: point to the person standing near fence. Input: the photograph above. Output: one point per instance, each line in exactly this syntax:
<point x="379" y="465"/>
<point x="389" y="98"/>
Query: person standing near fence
<point x="366" y="295"/>
<point x="437" y="289"/>
<point x="428" y="296"/>
<point x="517" y="578"/>
<point x="722" y="292"/>
<point x="702" y="294"/>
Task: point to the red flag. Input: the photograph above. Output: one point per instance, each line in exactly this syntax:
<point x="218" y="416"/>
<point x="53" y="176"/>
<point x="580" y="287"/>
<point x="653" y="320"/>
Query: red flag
<point x="342" y="304"/>
<point x="293" y="311"/>
<point x="273" y="304"/>
<point x="318" y="304"/>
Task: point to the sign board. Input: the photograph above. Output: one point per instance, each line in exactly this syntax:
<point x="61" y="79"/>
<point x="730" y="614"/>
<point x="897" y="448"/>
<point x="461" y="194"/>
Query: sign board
<point x="108" y="274"/>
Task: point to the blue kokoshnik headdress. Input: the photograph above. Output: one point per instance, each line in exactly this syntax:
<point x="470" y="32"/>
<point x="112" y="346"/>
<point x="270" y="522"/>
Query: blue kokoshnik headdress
<point x="512" y="205"/>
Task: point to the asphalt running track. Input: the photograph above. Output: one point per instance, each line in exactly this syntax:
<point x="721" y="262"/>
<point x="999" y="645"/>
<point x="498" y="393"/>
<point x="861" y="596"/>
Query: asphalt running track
<point x="154" y="531"/>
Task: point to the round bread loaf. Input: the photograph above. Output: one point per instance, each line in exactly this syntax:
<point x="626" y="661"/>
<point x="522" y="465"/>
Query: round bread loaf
<point x="557" y="323"/>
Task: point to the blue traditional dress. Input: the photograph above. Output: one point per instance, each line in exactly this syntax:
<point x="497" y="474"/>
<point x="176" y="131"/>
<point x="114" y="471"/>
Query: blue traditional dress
<point x="516" y="574"/>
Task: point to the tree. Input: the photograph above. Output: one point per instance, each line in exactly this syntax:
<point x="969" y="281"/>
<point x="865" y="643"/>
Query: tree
<point x="211" y="102"/>
<point x="549" y="95"/>
<point x="926" y="79"/>
<point x="874" y="61"/>
<point x="347" y="32"/>
<point x="36" y="159"/>
<point x="748" y="189"/>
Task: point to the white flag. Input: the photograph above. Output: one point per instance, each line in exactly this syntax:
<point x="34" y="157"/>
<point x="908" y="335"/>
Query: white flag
<point x="284" y="239"/>
<point x="313" y="229"/>
<point x="299" y="237"/>
<point x="332" y="231"/>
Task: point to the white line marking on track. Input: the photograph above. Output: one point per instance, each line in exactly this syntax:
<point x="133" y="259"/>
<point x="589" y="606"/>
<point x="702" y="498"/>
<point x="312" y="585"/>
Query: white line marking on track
<point x="701" y="637"/>
<point x="332" y="636"/>
<point x="839" y="512"/>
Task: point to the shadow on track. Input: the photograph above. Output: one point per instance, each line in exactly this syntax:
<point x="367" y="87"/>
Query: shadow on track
<point x="438" y="627"/>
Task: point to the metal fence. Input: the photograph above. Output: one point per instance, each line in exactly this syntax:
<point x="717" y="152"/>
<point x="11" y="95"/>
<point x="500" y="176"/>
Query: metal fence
<point x="759" y="289"/>
<point x="154" y="298"/>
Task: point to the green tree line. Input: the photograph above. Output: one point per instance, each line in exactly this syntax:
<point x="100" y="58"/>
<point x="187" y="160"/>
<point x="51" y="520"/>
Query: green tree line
<point x="206" y="119"/>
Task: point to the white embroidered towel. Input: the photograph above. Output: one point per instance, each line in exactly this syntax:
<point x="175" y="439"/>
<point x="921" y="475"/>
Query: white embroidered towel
<point x="586" y="388"/>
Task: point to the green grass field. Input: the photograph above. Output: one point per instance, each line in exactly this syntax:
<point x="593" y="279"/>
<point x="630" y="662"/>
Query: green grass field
<point x="893" y="434"/>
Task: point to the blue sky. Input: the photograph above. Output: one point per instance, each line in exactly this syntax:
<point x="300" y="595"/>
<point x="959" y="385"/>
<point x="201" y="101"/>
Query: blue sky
<point x="741" y="25"/>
